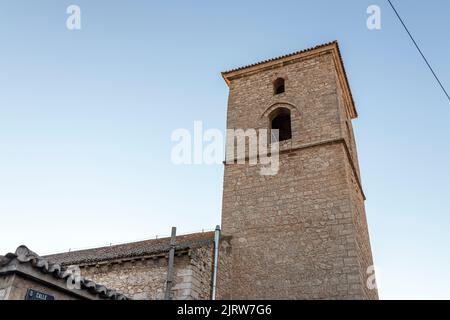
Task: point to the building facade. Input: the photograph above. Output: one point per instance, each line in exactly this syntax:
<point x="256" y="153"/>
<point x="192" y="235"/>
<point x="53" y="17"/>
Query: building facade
<point x="300" y="233"/>
<point x="140" y="269"/>
<point x="24" y="275"/>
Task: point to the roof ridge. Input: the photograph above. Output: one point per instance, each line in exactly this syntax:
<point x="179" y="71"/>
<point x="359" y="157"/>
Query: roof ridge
<point x="165" y="237"/>
<point x="281" y="57"/>
<point x="132" y="249"/>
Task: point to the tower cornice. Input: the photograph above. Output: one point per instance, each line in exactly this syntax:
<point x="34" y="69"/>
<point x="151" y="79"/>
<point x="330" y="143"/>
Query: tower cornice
<point x="328" y="48"/>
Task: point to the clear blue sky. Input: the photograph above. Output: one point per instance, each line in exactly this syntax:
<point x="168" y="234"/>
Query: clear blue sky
<point x="86" y="118"/>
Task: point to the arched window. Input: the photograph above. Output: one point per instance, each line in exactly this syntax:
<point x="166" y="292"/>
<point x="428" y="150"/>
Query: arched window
<point x="278" y="86"/>
<point x="281" y="119"/>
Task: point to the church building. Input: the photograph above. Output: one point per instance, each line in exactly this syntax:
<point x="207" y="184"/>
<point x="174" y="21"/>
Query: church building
<point x="298" y="234"/>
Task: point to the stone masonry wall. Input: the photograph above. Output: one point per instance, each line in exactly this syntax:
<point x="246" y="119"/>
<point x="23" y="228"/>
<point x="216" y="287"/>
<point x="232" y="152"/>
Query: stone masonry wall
<point x="138" y="279"/>
<point x="293" y="234"/>
<point x="146" y="279"/>
<point x="310" y="91"/>
<point x="202" y="267"/>
<point x="224" y="275"/>
<point x="14" y="287"/>
<point x="363" y="252"/>
<point x="300" y="234"/>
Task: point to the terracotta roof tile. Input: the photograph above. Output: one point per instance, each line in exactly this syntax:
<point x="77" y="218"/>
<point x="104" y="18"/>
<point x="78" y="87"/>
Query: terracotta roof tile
<point x="132" y="249"/>
<point x="23" y="255"/>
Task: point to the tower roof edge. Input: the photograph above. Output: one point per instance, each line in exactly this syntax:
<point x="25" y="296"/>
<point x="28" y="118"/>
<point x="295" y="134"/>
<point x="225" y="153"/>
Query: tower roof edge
<point x="331" y="47"/>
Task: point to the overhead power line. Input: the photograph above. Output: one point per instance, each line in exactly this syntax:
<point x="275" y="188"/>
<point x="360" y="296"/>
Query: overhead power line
<point x="420" y="51"/>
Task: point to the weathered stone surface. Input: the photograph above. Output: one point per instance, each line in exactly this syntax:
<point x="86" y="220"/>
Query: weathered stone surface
<point x="302" y="233"/>
<point x="145" y="280"/>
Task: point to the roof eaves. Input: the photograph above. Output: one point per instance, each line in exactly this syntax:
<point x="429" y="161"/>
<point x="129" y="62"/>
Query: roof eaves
<point x="225" y="73"/>
<point x="131" y="250"/>
<point x="333" y="46"/>
<point x="24" y="256"/>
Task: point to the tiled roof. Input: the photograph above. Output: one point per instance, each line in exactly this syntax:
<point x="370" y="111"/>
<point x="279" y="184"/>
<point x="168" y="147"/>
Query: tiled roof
<point x="280" y="57"/>
<point x="23" y="255"/>
<point x="132" y="249"/>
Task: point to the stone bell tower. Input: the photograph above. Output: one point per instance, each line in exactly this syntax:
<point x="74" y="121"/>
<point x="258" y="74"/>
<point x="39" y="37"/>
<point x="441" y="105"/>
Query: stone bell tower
<point x="301" y="233"/>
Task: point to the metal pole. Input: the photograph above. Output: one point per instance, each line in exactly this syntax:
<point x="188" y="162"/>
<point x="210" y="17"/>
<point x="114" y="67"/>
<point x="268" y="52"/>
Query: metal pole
<point x="167" y="295"/>
<point x="216" y="262"/>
